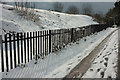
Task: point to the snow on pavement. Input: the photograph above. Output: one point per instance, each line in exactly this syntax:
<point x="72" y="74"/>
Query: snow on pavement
<point x="105" y="63"/>
<point x="59" y="64"/>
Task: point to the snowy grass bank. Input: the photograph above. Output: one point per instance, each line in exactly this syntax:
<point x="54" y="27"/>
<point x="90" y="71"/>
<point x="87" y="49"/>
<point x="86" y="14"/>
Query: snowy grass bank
<point x="13" y="22"/>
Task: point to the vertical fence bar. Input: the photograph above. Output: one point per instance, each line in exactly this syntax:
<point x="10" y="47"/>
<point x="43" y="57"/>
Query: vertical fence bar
<point x="38" y="42"/>
<point x="50" y="41"/>
<point x="2" y="56"/>
<point x="64" y="40"/>
<point x="36" y="47"/>
<point x="45" y="43"/>
<point x="67" y="36"/>
<point x="14" y="44"/>
<point x="31" y="45"/>
<point x="59" y="39"/>
<point x="6" y="52"/>
<point x="18" y="48"/>
<point x="10" y="45"/>
<point x="21" y="48"/>
<point x="28" y="45"/>
<point x="25" y="46"/>
<point x="56" y="41"/>
<point x="55" y="38"/>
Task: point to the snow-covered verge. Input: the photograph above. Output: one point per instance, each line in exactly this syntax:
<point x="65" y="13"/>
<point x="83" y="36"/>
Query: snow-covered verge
<point x="59" y="64"/>
<point x="105" y="63"/>
<point x="11" y="21"/>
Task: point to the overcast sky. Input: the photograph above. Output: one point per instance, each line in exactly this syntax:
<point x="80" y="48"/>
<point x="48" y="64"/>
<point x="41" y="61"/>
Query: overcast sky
<point x="99" y="6"/>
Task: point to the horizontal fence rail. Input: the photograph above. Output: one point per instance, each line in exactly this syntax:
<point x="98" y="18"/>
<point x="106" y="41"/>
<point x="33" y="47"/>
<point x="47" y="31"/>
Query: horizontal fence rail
<point x="20" y="48"/>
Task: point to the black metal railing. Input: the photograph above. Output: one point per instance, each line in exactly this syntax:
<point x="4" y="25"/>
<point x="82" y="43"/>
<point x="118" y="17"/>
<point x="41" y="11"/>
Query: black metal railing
<point x="21" y="48"/>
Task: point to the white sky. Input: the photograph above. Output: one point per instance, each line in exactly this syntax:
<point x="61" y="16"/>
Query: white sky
<point x="61" y="0"/>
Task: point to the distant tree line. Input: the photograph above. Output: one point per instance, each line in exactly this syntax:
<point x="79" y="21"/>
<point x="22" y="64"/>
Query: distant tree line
<point x="113" y="15"/>
<point x="58" y="6"/>
<point x="72" y="10"/>
<point x="117" y="12"/>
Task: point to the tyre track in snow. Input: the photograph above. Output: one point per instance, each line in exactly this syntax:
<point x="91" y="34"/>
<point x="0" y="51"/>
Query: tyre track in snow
<point x="84" y="65"/>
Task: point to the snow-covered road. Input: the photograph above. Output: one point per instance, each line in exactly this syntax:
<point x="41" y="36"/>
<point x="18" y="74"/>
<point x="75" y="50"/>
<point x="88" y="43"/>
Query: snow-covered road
<point x="105" y="63"/>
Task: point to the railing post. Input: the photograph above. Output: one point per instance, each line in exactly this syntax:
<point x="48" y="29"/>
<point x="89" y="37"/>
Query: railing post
<point x="50" y="41"/>
<point x="21" y="47"/>
<point x="10" y="47"/>
<point x="14" y="43"/>
<point x="72" y="35"/>
<point x="1" y="51"/>
<point x="6" y="52"/>
<point x="18" y="49"/>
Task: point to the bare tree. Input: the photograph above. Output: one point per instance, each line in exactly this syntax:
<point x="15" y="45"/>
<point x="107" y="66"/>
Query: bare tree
<point x="98" y="17"/>
<point x="87" y="9"/>
<point x="72" y="10"/>
<point x="58" y="6"/>
<point x="26" y="10"/>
